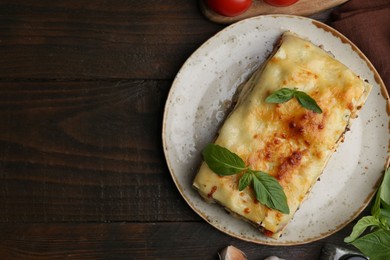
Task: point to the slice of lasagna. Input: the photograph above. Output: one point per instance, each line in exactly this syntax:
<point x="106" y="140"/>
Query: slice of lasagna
<point x="287" y="141"/>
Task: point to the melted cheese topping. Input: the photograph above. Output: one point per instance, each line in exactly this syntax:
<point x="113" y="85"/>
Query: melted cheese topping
<point x="285" y="140"/>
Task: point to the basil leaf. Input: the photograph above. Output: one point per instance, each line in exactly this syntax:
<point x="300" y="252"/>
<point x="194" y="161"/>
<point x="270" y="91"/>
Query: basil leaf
<point x="244" y="181"/>
<point x="222" y="161"/>
<point x="375" y="245"/>
<point x="385" y="205"/>
<point x="376" y="208"/>
<point x="383" y="221"/>
<point x="385" y="190"/>
<point x="267" y="189"/>
<point x="307" y="102"/>
<point x="361" y="226"/>
<point x="269" y="192"/>
<point x="285" y="94"/>
<point x="385" y="214"/>
<point x="280" y="96"/>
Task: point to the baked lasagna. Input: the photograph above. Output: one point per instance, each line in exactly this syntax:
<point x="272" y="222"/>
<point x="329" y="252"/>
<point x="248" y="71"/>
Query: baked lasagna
<point x="287" y="141"/>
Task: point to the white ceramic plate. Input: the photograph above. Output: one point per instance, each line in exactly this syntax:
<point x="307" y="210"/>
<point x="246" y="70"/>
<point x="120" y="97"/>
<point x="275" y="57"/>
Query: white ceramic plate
<point x="201" y="93"/>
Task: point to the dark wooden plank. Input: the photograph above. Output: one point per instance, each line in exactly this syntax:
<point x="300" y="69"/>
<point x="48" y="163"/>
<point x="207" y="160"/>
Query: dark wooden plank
<point x="185" y="240"/>
<point x="85" y="151"/>
<point x="99" y="39"/>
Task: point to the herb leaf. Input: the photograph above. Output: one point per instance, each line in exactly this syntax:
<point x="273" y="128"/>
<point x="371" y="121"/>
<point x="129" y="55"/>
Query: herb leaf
<point x="244" y="181"/>
<point x="269" y="192"/>
<point x="385" y="214"/>
<point x="385" y="190"/>
<point x="280" y="96"/>
<point x="376" y="208"/>
<point x="267" y="189"/>
<point x="376" y="245"/>
<point x="285" y="94"/>
<point x="360" y="227"/>
<point x="307" y="102"/>
<point x="221" y="161"/>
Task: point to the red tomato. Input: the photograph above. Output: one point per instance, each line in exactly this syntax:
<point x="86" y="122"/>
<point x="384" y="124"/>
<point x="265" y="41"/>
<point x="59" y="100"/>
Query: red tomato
<point x="280" y="2"/>
<point x="229" y="7"/>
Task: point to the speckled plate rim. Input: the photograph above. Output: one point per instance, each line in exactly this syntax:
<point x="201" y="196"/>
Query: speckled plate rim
<point x="184" y="187"/>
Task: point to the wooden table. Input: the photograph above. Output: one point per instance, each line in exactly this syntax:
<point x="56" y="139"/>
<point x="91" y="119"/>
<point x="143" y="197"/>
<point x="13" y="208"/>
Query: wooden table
<point x="83" y="85"/>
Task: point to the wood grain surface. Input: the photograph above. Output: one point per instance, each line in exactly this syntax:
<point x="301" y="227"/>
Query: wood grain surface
<point x="84" y="151"/>
<point x="83" y="86"/>
<point x="99" y="39"/>
<point x="163" y="240"/>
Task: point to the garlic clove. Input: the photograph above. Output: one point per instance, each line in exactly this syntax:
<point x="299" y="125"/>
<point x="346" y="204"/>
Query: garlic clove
<point x="273" y="258"/>
<point x="231" y="253"/>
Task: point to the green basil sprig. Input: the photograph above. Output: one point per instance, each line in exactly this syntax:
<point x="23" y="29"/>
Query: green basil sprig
<point x="376" y="243"/>
<point x="267" y="189"/>
<point x="285" y="94"/>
